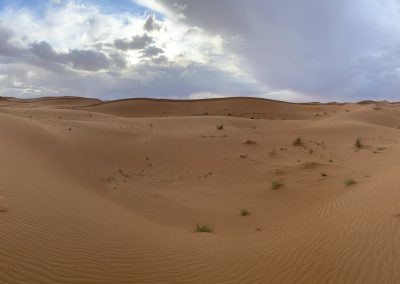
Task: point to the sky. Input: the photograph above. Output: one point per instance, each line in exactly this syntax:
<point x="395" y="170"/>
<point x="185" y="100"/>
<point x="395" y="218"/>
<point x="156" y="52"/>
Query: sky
<point x="309" y="50"/>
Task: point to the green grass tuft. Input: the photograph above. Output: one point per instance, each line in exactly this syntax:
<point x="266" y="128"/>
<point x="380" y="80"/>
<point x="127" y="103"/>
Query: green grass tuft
<point x="349" y="181"/>
<point x="276" y="184"/>
<point x="358" y="143"/>
<point x="203" y="229"/>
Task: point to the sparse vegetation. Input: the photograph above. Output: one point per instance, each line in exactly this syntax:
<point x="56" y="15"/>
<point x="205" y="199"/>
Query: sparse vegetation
<point x="298" y="142"/>
<point x="250" y="142"/>
<point x="358" y="143"/>
<point x="276" y="184"/>
<point x="323" y="174"/>
<point x="349" y="181"/>
<point x="220" y="127"/>
<point x="203" y="228"/>
<point x="244" y="212"/>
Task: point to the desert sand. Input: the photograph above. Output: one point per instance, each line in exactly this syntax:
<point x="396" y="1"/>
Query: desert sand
<point x="110" y="192"/>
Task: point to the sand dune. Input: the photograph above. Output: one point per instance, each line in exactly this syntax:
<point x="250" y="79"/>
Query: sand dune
<point x="234" y="107"/>
<point x="110" y="192"/>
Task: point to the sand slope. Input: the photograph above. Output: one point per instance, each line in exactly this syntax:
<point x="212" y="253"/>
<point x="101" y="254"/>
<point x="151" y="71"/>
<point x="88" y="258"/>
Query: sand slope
<point x="94" y="192"/>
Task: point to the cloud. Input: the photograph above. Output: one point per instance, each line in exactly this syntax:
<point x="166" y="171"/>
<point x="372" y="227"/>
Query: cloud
<point x="308" y="47"/>
<point x="152" y="51"/>
<point x="45" y="51"/>
<point x="73" y="47"/>
<point x="205" y="95"/>
<point x="137" y="42"/>
<point x="308" y="50"/>
<point x="151" y="24"/>
<point x="6" y="47"/>
<point x="87" y="60"/>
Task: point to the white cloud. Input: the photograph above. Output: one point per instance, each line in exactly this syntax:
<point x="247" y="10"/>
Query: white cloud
<point x="290" y="96"/>
<point x="205" y="95"/>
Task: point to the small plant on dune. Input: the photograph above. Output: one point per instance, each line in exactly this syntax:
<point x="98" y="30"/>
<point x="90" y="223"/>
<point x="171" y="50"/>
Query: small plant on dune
<point x="250" y="142"/>
<point x="276" y="184"/>
<point x="244" y="212"/>
<point x="358" y="143"/>
<point x="220" y="127"/>
<point x="323" y="174"/>
<point x="349" y="181"/>
<point x="203" y="228"/>
<point x="298" y="142"/>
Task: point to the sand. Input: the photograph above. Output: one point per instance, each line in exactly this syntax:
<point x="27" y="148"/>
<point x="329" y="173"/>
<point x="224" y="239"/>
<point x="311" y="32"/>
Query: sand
<point x="110" y="192"/>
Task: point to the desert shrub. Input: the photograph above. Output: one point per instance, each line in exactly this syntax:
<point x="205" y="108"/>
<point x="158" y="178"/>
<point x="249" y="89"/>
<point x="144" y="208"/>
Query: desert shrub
<point x="203" y="228"/>
<point x="298" y="142"/>
<point x="250" y="142"/>
<point x="358" y="143"/>
<point x="244" y="212"/>
<point x="276" y="184"/>
<point x="349" y="181"/>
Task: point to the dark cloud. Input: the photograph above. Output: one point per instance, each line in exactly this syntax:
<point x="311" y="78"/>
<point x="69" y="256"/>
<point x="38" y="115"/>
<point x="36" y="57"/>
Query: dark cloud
<point x="45" y="51"/>
<point x="7" y="48"/>
<point x="160" y="60"/>
<point x="151" y="51"/>
<point x="137" y="42"/>
<point x="118" y="60"/>
<point x="151" y="24"/>
<point x="88" y="60"/>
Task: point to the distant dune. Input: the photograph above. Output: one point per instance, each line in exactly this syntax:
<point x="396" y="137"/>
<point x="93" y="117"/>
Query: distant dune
<point x="111" y="192"/>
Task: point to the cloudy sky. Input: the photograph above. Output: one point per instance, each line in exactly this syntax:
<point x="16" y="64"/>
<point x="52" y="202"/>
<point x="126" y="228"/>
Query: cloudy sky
<point x="291" y="50"/>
